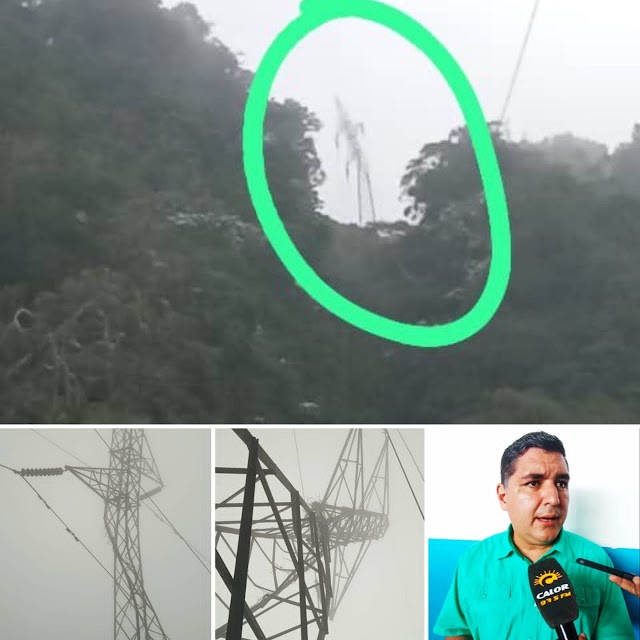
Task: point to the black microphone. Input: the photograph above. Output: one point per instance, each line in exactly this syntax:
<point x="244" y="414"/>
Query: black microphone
<point x="602" y="567"/>
<point x="555" y="597"/>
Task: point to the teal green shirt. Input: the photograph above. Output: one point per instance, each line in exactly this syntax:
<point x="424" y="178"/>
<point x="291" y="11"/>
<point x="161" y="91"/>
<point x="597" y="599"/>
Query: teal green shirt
<point x="490" y="597"/>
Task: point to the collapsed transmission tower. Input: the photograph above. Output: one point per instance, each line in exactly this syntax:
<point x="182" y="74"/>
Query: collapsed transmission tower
<point x="132" y="476"/>
<point x="351" y="132"/>
<point x="275" y="554"/>
<point x="352" y="515"/>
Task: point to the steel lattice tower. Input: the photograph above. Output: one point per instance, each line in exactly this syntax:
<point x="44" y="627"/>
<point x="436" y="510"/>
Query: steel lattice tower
<point x="131" y="477"/>
<point x="351" y="132"/>
<point x="285" y="564"/>
<point x="352" y="514"/>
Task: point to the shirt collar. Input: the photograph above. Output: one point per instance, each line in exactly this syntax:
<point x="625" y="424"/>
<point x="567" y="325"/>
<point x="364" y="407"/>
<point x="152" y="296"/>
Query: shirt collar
<point x="506" y="546"/>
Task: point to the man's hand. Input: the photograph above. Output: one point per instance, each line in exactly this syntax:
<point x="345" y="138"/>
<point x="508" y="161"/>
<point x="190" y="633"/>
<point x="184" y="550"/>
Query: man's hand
<point x="632" y="586"/>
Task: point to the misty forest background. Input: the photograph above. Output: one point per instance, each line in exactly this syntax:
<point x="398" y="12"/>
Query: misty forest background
<point x="137" y="286"/>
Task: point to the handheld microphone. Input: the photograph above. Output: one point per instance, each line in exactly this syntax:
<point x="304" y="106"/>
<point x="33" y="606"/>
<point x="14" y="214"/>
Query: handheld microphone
<point x="555" y="597"/>
<point x="602" y="567"/>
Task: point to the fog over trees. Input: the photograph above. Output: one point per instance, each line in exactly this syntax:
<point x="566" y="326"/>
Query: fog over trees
<point x="136" y="284"/>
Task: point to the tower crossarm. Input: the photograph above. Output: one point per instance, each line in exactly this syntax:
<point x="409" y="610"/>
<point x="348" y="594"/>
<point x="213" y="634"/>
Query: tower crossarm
<point x="132" y="476"/>
<point x="352" y="514"/>
<point x="270" y="555"/>
<point x="345" y="525"/>
<point x="96" y="478"/>
<point x="311" y="552"/>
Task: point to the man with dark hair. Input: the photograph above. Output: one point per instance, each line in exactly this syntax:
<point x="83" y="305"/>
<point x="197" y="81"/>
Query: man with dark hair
<point x="490" y="597"/>
<point x="538" y="440"/>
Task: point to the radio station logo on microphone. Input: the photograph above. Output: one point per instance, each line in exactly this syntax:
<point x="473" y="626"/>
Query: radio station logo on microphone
<point x="547" y="577"/>
<point x="553" y="594"/>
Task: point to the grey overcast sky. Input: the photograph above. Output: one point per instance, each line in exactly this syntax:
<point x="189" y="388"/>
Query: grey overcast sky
<point x="579" y="74"/>
<point x="50" y="587"/>
<point x="386" y="598"/>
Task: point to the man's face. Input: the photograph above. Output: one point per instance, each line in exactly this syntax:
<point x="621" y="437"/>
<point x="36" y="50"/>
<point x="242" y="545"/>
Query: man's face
<point x="537" y="498"/>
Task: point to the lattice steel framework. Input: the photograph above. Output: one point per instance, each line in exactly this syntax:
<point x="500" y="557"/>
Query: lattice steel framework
<point x="132" y="476"/>
<point x="351" y="513"/>
<point x="351" y="132"/>
<point x="272" y="531"/>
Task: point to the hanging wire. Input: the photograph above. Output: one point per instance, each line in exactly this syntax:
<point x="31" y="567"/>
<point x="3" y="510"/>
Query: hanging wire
<point x="74" y="536"/>
<point x="195" y="553"/>
<point x="61" y="448"/>
<point x="162" y="519"/>
<point x="165" y="521"/>
<point x="405" y="473"/>
<point x="295" y="438"/>
<point x="411" y="454"/>
<point x="516" y="70"/>
<point x="46" y="504"/>
<point x="103" y="440"/>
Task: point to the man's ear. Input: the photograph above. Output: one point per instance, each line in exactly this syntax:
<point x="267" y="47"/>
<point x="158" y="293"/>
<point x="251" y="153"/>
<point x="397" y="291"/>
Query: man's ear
<point x="502" y="496"/>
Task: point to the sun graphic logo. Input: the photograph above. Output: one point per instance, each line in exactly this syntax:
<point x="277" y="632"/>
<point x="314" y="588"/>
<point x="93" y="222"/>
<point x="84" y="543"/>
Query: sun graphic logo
<point x="547" y="577"/>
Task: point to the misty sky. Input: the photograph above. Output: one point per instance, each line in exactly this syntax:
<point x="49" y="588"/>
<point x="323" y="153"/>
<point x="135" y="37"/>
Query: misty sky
<point x="51" y="588"/>
<point x="579" y="75"/>
<point x="386" y="598"/>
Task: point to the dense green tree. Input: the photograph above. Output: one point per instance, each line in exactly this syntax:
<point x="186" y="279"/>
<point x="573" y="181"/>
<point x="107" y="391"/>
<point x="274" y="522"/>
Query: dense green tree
<point x="625" y="165"/>
<point x="137" y="286"/>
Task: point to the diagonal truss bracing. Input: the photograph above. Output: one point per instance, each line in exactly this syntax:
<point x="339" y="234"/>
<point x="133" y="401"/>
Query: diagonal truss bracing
<point x="132" y="476"/>
<point x="351" y="513"/>
<point x="264" y="528"/>
<point x="285" y="565"/>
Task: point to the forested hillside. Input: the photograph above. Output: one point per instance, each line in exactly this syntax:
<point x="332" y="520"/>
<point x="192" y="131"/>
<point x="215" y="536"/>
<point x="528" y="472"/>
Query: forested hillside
<point x="137" y="286"/>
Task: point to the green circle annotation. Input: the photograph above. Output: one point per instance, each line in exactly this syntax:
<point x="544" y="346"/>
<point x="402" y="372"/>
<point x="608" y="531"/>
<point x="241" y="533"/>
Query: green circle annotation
<point x="314" y="14"/>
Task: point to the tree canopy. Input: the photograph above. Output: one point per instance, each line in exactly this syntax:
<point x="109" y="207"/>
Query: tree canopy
<point x="137" y="286"/>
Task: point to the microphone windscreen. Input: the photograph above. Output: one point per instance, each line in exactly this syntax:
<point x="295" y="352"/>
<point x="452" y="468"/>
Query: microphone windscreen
<point x="553" y="592"/>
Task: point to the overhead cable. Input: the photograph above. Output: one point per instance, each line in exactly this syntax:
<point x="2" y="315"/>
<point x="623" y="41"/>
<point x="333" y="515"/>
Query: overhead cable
<point x="165" y="521"/>
<point x="516" y="70"/>
<point x="405" y="473"/>
<point x="73" y="535"/>
<point x="103" y="440"/>
<point x="411" y="454"/>
<point x="299" y="467"/>
<point x="61" y="448"/>
<point x="195" y="553"/>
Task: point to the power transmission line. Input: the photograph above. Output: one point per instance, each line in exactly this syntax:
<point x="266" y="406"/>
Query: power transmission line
<point x="73" y="535"/>
<point x="304" y="493"/>
<point x="411" y="454"/>
<point x="94" y="477"/>
<point x="180" y="535"/>
<point x="101" y="438"/>
<point x="405" y="473"/>
<point x="516" y="70"/>
<point x="166" y="521"/>
<point x="61" y="448"/>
